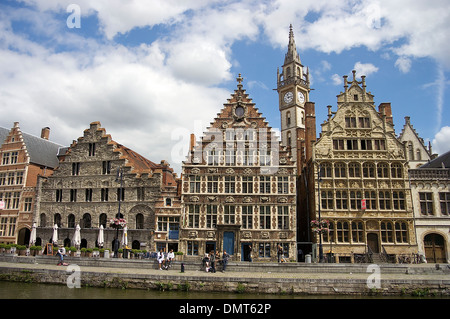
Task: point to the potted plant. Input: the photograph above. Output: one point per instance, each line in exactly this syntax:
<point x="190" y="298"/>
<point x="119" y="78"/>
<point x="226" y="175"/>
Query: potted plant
<point x="2" y="248"/>
<point x="102" y="252"/>
<point x="83" y="252"/>
<point x="89" y="252"/>
<point x="73" y="251"/>
<point x="120" y="251"/>
<point x="95" y="252"/>
<point x="21" y="250"/>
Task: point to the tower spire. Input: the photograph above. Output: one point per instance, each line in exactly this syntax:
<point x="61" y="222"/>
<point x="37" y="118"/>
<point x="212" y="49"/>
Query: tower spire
<point x="291" y="55"/>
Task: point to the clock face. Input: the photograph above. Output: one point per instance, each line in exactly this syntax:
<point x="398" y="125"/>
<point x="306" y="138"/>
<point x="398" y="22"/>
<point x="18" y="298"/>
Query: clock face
<point x="288" y="97"/>
<point x="301" y="97"/>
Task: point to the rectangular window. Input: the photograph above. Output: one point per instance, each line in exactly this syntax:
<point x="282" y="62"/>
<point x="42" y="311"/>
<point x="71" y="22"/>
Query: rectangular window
<point x="326" y="199"/>
<point x="247" y="217"/>
<point x="264" y="217"/>
<point x="14" y="156"/>
<point x="230" y="156"/>
<point x="341" y="200"/>
<point x="364" y="122"/>
<point x="88" y="196"/>
<point x="104" y="194"/>
<point x="264" y="184"/>
<point x="16" y="197"/>
<point x="247" y="184"/>
<point x="355" y="200"/>
<point x="106" y="167"/>
<point x="264" y="157"/>
<point x="379" y="145"/>
<point x="12" y="226"/>
<point x="162" y="223"/>
<point x="229" y="214"/>
<point x="213" y="157"/>
<point x="194" y="184"/>
<point x="352" y="145"/>
<point x="8" y="196"/>
<point x="192" y="248"/>
<point x="342" y="232"/>
<point x="19" y="178"/>
<point x="59" y="195"/>
<point x="366" y="145"/>
<point x="444" y="199"/>
<point x="339" y="170"/>
<point x="91" y="149"/>
<point x="426" y="203"/>
<point x="249" y="157"/>
<point x="2" y="179"/>
<point x="338" y="144"/>
<point x="357" y="232"/>
<point x="350" y="122"/>
<point x="211" y="216"/>
<point x="121" y="194"/>
<point x="28" y="204"/>
<point x="401" y="232"/>
<point x="11" y="178"/>
<point x="398" y="198"/>
<point x="230" y="184"/>
<point x="384" y="200"/>
<point x="283" y="217"/>
<point x="283" y="184"/>
<point x="193" y="216"/>
<point x="5" y="158"/>
<point x="75" y="169"/>
<point x="371" y="199"/>
<point x="73" y="195"/>
<point x="264" y="250"/>
<point x="213" y="184"/>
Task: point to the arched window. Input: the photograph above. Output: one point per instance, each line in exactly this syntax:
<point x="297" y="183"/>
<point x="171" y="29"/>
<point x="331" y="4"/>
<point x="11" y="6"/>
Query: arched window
<point x="396" y="170"/>
<point x="139" y="221"/>
<point x="71" y="221"/>
<point x="382" y="170"/>
<point x="86" y="221"/>
<point x="342" y="232"/>
<point x="368" y="170"/>
<point x="357" y="232"/>
<point x="401" y="232"/>
<point x="102" y="220"/>
<point x="57" y="219"/>
<point x="43" y="220"/>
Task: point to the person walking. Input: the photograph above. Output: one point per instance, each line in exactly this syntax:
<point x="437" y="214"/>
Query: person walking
<point x="225" y="258"/>
<point x="212" y="258"/>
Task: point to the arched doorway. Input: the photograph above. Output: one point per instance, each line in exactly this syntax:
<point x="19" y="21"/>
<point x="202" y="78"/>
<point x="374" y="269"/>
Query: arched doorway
<point x="434" y="245"/>
<point x="24" y="236"/>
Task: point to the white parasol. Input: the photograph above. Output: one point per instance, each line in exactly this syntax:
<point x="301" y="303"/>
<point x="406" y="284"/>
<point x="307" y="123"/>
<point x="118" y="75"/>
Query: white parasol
<point x="55" y="235"/>
<point x="33" y="235"/>
<point x="100" y="239"/>
<point x="77" y="237"/>
<point x="124" y="237"/>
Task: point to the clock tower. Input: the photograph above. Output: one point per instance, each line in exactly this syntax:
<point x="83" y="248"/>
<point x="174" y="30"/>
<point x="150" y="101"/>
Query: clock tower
<point x="293" y="91"/>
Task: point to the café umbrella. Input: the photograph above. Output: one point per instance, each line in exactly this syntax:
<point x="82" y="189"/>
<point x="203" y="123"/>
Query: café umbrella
<point x="100" y="239"/>
<point x="124" y="237"/>
<point x="33" y="235"/>
<point x="77" y="237"/>
<point x="55" y="235"/>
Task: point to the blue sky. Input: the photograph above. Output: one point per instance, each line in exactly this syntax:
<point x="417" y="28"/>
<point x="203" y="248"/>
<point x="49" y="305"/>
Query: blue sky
<point x="152" y="72"/>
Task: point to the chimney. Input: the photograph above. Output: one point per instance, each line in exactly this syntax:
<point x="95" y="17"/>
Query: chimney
<point x="192" y="144"/>
<point x="45" y="133"/>
<point x="385" y="108"/>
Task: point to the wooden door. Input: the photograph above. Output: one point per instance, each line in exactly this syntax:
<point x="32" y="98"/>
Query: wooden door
<point x="434" y="248"/>
<point x="372" y="242"/>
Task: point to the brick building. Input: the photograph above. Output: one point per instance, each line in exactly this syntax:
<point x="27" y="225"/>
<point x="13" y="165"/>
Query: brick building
<point x="238" y="187"/>
<point x="24" y="157"/>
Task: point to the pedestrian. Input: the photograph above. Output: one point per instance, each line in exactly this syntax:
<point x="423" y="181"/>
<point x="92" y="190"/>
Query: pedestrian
<point x="212" y="258"/>
<point x="279" y="252"/>
<point x="300" y="254"/>
<point x="206" y="262"/>
<point x="225" y="258"/>
<point x="160" y="258"/>
<point x="61" y="253"/>
<point x="250" y="253"/>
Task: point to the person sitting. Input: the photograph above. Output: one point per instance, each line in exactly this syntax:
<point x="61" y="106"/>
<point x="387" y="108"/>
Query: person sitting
<point x="61" y="253"/>
<point x="160" y="258"/>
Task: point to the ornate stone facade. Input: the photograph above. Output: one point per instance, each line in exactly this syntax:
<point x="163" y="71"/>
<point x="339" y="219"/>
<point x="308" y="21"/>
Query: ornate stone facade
<point x="363" y="188"/>
<point x="97" y="180"/>
<point x="238" y="187"/>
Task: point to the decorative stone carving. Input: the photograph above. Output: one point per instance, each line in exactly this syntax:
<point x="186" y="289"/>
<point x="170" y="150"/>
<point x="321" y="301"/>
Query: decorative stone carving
<point x="229" y="199"/>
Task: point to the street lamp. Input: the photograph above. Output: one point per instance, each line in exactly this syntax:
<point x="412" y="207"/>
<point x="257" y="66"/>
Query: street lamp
<point x="119" y="178"/>
<point x="319" y="180"/>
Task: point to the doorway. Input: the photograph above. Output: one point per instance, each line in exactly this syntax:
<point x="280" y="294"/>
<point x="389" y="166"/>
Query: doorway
<point x="210" y="246"/>
<point x="228" y="242"/>
<point x="372" y="242"/>
<point x="434" y="248"/>
<point x="246" y="252"/>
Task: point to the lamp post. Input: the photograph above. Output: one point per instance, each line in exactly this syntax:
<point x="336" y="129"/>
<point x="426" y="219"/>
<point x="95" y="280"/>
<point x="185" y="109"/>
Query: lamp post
<point x="119" y="178"/>
<point x="320" y="233"/>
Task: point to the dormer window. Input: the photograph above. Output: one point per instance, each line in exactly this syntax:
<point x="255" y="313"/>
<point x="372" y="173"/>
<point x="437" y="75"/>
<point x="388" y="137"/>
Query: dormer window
<point x="355" y="97"/>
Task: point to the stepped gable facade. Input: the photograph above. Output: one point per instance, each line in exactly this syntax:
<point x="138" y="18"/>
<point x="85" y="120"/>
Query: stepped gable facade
<point x="238" y="187"/>
<point x="98" y="180"/>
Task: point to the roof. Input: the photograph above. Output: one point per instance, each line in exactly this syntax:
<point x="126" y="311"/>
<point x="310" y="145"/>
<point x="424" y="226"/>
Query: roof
<point x="41" y="151"/>
<point x="442" y="161"/>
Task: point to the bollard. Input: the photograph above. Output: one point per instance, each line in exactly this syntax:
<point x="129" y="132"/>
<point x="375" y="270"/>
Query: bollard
<point x="308" y="259"/>
<point x="106" y="254"/>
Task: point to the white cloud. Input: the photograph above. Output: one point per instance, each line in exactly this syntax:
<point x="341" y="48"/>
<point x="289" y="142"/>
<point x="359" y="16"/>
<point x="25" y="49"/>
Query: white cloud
<point x="364" y="69"/>
<point x="403" y="64"/>
<point x="336" y="79"/>
<point x="441" y="141"/>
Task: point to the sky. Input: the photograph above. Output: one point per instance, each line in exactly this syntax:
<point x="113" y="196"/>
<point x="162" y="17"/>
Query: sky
<point x="152" y="72"/>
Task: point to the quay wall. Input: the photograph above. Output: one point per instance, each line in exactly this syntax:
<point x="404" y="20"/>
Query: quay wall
<point x="401" y="280"/>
